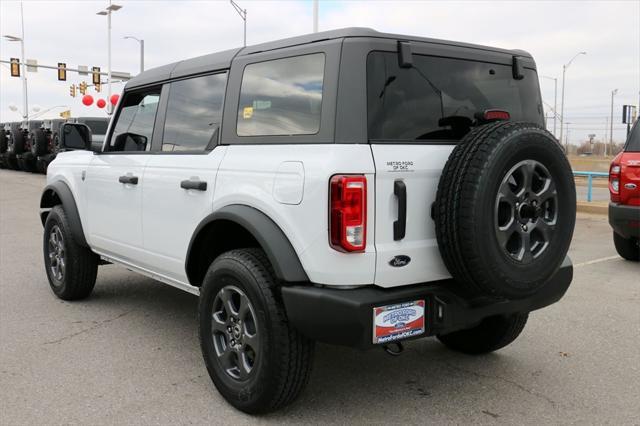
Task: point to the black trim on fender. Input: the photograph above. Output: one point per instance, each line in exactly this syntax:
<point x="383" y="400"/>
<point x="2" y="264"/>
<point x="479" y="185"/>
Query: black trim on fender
<point x="273" y="241"/>
<point x="345" y="316"/>
<point x="64" y="194"/>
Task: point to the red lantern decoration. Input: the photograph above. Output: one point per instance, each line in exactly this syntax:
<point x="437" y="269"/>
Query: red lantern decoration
<point x="87" y="100"/>
<point x="114" y="99"/>
<point x="101" y="103"/>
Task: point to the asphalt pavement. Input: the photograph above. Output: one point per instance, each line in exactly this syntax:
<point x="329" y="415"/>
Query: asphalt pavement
<point x="130" y="355"/>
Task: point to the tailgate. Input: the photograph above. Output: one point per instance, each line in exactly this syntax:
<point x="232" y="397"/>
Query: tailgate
<point x="414" y="170"/>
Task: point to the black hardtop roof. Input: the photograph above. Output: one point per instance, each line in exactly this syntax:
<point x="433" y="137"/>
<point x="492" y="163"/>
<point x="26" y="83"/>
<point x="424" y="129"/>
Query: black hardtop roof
<point x="223" y="59"/>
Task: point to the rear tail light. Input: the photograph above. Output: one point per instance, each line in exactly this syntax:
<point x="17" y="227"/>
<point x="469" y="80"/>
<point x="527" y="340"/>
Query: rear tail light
<point x="614" y="179"/>
<point x="348" y="213"/>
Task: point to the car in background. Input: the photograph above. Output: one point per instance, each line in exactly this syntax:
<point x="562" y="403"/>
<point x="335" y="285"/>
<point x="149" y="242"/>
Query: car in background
<point x="22" y="145"/>
<point x="13" y="134"/>
<point x="3" y="146"/>
<point x="46" y="143"/>
<point x="624" y="187"/>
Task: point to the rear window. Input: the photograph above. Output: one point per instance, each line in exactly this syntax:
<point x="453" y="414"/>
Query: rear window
<point x="282" y="97"/>
<point x="438" y="98"/>
<point x="633" y="142"/>
<point x="97" y="127"/>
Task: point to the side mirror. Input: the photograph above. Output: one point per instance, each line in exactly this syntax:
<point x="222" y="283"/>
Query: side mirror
<point x="75" y="136"/>
<point x="130" y="142"/>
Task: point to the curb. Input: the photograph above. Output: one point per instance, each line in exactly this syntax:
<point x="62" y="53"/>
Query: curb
<point x="593" y="207"/>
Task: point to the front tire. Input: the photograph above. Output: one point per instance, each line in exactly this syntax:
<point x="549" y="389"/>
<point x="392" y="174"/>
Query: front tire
<point x="490" y="335"/>
<point x="627" y="248"/>
<point x="256" y="359"/>
<point x="71" y="268"/>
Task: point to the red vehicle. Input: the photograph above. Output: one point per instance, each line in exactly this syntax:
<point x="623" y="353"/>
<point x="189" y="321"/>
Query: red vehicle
<point x="624" y="187"/>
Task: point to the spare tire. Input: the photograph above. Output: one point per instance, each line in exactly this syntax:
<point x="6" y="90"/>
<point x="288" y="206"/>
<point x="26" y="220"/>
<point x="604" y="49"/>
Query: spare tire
<point x="3" y="141"/>
<point x="17" y="142"/>
<point x="505" y="210"/>
<point x="39" y="143"/>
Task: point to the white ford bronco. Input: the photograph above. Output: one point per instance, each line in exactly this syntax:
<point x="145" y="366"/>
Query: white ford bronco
<point x="348" y="187"/>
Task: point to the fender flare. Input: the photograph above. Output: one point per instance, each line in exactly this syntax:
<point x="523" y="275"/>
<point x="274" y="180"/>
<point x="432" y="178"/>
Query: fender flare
<point x="274" y="242"/>
<point x="61" y="191"/>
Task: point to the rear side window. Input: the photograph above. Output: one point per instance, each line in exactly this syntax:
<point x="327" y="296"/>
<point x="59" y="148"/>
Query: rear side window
<point x="194" y="113"/>
<point x="438" y="98"/>
<point x="134" y="125"/>
<point x="282" y="97"/>
<point x="633" y="142"/>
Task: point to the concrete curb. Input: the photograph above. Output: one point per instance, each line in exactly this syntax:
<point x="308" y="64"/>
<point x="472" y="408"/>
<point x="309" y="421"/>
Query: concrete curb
<point x="593" y="207"/>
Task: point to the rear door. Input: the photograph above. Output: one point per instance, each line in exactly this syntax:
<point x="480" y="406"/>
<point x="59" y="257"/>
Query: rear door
<point x="416" y="116"/>
<point x="630" y="169"/>
<point x="179" y="180"/>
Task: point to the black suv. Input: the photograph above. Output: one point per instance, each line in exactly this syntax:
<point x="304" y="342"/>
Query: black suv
<point x="22" y="142"/>
<point x="46" y="143"/>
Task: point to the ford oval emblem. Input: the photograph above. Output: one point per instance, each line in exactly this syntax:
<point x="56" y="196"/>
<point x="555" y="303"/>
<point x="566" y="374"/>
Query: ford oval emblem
<point x="400" y="261"/>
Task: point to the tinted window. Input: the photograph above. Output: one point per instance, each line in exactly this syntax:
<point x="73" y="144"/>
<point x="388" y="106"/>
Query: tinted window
<point x="97" y="127"/>
<point x="633" y="143"/>
<point x="282" y="97"/>
<point x="194" y="113"/>
<point x="134" y="127"/>
<point x="438" y="98"/>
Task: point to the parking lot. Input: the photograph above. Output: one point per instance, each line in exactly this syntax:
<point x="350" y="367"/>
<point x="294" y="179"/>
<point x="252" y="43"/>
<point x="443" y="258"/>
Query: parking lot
<point x="130" y="353"/>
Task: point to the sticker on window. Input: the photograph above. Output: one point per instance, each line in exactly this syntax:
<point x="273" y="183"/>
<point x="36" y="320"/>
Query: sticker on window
<point x="400" y="321"/>
<point x="247" y="113"/>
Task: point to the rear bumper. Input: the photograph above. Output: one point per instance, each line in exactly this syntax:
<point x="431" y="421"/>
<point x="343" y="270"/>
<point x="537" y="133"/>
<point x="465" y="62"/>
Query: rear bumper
<point x="345" y="317"/>
<point x="625" y="220"/>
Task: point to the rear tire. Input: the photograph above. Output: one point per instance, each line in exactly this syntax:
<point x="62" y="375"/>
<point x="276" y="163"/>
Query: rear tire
<point x="71" y="268"/>
<point x="256" y="359"/>
<point x="627" y="248"/>
<point x="490" y="335"/>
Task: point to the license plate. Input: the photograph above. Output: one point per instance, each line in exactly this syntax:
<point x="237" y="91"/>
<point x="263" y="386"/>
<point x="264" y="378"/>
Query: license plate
<point x="399" y="321"/>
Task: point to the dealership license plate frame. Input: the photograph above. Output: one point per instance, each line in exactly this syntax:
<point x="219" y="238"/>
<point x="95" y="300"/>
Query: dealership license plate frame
<point x="405" y="319"/>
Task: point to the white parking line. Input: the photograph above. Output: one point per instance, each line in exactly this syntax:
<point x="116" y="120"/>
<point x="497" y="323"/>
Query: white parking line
<point x="591" y="262"/>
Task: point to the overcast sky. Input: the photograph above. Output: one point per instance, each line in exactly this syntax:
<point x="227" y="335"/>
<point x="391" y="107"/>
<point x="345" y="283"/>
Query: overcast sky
<point x="553" y="31"/>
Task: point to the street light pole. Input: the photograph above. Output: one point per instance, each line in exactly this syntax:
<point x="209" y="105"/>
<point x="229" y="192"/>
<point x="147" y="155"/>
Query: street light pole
<point x="555" y="101"/>
<point x="111" y="8"/>
<point x="315" y="16"/>
<point x="613" y="93"/>
<point x="25" y="101"/>
<point x="141" y="42"/>
<point x="566" y="141"/>
<point x="564" y="71"/>
<point x="243" y="14"/>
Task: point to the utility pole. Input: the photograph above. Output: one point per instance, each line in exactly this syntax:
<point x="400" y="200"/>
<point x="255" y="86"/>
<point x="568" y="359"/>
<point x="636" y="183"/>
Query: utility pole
<point x="566" y="141"/>
<point x="604" y="139"/>
<point x="613" y="93"/>
<point x="315" y="16"/>
<point x="555" y="101"/>
<point x="564" y="71"/>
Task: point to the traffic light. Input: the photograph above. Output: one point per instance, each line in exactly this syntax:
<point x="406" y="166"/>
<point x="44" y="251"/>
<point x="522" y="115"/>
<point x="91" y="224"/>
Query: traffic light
<point x="72" y="90"/>
<point x="83" y="88"/>
<point x="15" y="67"/>
<point x="96" y="75"/>
<point x="98" y="86"/>
<point x="62" y="71"/>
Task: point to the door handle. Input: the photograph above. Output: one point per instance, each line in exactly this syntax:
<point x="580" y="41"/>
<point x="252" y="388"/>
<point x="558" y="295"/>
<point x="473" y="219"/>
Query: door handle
<point x="400" y="225"/>
<point x="132" y="180"/>
<point x="198" y="185"/>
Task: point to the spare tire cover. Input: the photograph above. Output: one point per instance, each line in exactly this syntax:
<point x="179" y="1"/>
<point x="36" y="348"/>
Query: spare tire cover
<point x="505" y="210"/>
